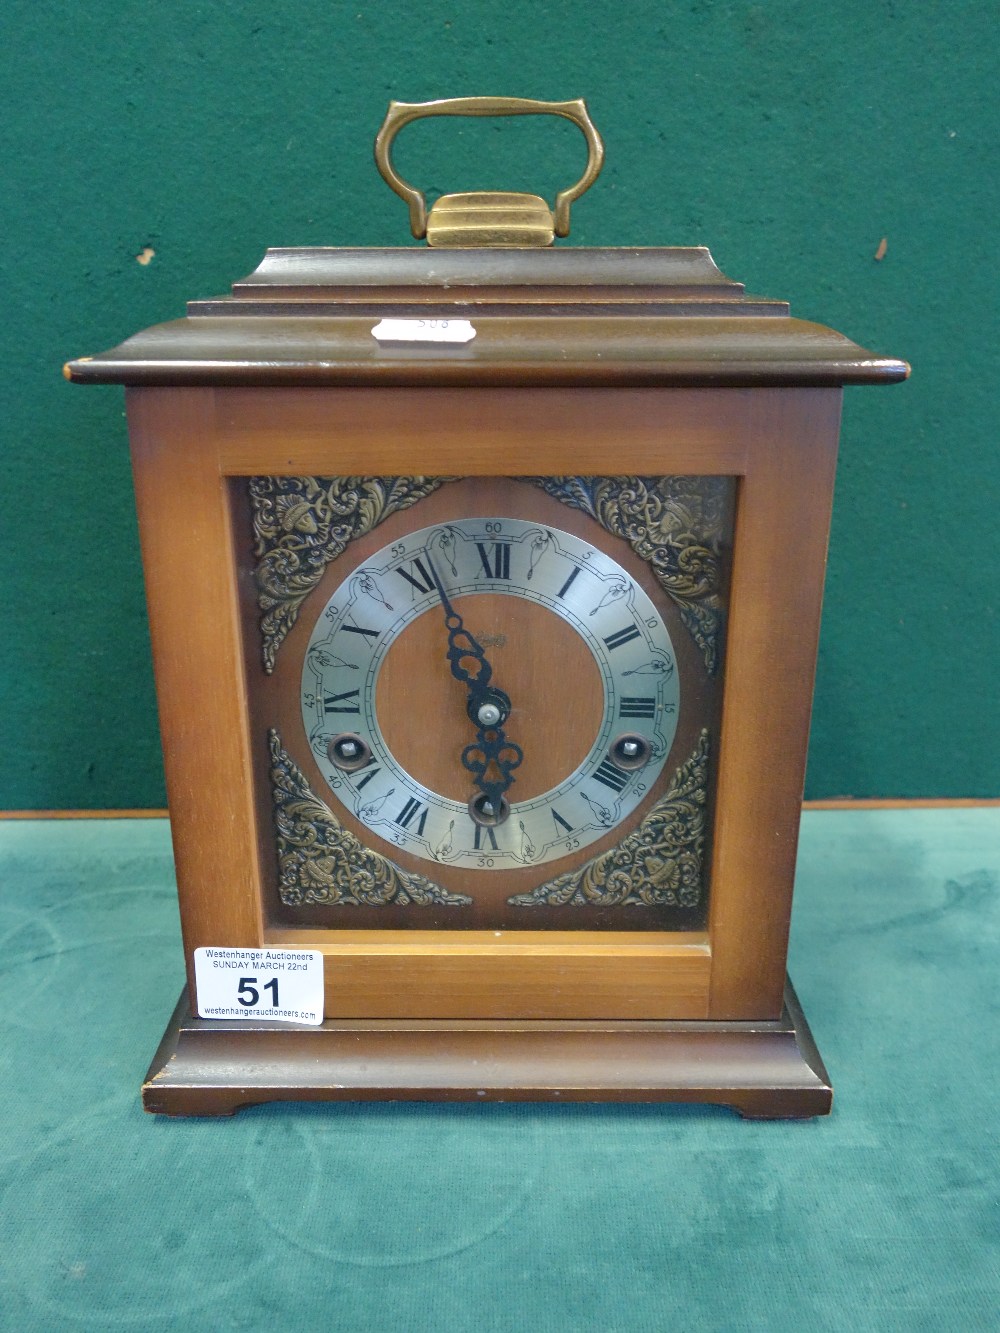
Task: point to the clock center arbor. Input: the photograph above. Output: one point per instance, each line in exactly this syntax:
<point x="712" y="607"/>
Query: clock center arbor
<point x="484" y="585"/>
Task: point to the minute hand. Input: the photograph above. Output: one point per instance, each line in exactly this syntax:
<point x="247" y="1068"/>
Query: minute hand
<point x="462" y="647"/>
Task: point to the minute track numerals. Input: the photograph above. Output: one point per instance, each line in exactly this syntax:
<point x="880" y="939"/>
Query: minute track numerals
<point x="506" y="558"/>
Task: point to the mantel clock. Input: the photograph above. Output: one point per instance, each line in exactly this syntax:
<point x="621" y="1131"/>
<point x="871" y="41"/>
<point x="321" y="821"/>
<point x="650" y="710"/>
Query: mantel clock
<point x="484" y="585"/>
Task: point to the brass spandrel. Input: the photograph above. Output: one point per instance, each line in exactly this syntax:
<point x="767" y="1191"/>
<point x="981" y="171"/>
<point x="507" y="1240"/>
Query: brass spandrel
<point x="658" y="864"/>
<point x="320" y="861"/>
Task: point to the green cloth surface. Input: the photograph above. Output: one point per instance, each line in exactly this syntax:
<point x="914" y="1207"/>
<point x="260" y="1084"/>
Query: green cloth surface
<point x="522" y="1217"/>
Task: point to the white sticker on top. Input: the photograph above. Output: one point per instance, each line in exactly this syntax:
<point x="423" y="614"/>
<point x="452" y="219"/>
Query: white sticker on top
<point x="424" y="331"/>
<point x="277" y="985"/>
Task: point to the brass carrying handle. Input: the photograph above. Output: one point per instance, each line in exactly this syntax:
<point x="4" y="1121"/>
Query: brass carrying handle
<point x="401" y="113"/>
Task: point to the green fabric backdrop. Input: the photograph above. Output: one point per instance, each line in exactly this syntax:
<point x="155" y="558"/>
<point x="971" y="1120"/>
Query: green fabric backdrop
<point x="790" y="137"/>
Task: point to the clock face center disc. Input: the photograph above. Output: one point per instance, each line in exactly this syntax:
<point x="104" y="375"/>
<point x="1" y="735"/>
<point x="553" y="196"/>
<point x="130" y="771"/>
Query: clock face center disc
<point x="538" y="660"/>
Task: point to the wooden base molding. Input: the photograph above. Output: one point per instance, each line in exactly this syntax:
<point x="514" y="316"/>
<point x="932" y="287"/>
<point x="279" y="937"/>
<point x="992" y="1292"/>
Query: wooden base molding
<point x="767" y="1070"/>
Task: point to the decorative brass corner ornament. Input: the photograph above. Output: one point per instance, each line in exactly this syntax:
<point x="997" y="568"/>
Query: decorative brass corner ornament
<point x="659" y="864"/>
<point x="319" y="861"/>
<point x="675" y="524"/>
<point x="300" y="524"/>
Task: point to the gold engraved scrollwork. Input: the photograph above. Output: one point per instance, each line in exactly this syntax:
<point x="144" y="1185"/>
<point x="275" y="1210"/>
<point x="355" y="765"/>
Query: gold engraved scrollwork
<point x="300" y="524"/>
<point x="659" y="864"/>
<point x="677" y="525"/>
<point x="319" y="861"/>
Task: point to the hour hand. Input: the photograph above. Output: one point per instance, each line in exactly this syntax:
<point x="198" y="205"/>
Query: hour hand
<point x="493" y="758"/>
<point x="491" y="761"/>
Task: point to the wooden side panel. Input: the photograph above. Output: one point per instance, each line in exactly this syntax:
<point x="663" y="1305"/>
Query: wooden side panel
<point x="782" y="529"/>
<point x="187" y="559"/>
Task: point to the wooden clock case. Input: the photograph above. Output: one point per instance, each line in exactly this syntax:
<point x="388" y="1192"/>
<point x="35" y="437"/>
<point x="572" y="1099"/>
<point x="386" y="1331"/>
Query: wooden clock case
<point x="585" y="362"/>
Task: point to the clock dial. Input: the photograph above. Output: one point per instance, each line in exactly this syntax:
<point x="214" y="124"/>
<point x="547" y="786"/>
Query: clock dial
<point x="487" y="702"/>
<point x="504" y="632"/>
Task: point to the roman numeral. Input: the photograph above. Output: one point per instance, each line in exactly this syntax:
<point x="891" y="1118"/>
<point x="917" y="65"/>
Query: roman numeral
<point x="622" y="636"/>
<point x="409" y="812"/>
<point x="500" y="568"/>
<point x="566" y="586"/>
<point x="491" y="837"/>
<point x="360" y="629"/>
<point x="611" y="777"/>
<point x="369" y="773"/>
<point x="333" y="703"/>
<point x="561" y="823"/>
<point x="419" y="578"/>
<point x="632" y="706"/>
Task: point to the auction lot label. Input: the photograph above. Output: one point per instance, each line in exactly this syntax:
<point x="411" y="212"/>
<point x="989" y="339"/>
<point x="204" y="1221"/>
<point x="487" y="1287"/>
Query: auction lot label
<point x="277" y="985"/>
